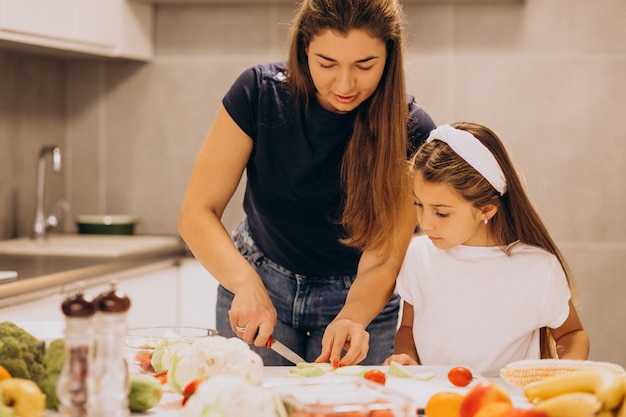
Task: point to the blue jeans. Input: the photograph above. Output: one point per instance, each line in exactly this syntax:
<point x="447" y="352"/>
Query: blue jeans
<point x="305" y="306"/>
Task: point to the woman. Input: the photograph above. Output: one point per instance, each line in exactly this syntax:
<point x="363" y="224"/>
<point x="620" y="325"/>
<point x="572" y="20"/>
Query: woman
<point x="323" y="139"/>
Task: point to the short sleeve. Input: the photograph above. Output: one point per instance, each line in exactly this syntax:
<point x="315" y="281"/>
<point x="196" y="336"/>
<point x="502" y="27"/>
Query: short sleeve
<point x="557" y="296"/>
<point x="241" y="100"/>
<point x="419" y="127"/>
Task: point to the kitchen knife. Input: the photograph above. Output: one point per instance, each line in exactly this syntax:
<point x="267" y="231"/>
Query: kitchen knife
<point x="283" y="351"/>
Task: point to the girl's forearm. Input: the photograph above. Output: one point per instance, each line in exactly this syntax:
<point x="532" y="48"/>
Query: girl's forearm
<point x="574" y="345"/>
<point x="404" y="343"/>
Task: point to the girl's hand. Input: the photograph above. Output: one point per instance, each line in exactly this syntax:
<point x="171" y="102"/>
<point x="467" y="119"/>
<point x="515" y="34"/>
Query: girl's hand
<point x="252" y="315"/>
<point x="401" y="358"/>
<point x="344" y="335"/>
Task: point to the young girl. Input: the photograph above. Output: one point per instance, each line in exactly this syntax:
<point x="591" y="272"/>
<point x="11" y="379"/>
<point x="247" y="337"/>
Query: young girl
<point x="485" y="284"/>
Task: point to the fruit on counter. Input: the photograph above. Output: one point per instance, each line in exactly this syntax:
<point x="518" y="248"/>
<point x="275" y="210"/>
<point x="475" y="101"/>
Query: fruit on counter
<point x="23" y="396"/>
<point x="4" y="374"/>
<point x="607" y="387"/>
<point x="444" y="404"/>
<point x="145" y="392"/>
<point x="460" y="376"/>
<point x="621" y="411"/>
<point x="21" y="353"/>
<point x="483" y="393"/>
<point x="525" y="412"/>
<point x="376" y="375"/>
<point x="571" y="404"/>
<point x="496" y="409"/>
<point x="399" y="371"/>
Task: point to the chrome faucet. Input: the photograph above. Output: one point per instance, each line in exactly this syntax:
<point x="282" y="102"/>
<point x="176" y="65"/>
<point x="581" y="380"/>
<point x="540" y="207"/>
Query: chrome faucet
<point x="42" y="224"/>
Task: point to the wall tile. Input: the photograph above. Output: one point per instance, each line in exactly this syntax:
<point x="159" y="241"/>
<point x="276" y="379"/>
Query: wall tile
<point x="8" y="138"/>
<point x="234" y="29"/>
<point x="598" y="270"/>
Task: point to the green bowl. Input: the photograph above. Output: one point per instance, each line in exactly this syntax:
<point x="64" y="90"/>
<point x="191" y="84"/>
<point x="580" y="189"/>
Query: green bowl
<point x="116" y="224"/>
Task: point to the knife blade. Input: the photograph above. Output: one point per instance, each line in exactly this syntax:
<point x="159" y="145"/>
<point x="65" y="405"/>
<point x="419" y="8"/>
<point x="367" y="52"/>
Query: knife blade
<point x="284" y="351"/>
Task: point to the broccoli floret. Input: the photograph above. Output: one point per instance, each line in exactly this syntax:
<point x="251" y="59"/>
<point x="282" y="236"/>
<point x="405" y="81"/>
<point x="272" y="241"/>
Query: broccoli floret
<point x="53" y="360"/>
<point x="21" y="353"/>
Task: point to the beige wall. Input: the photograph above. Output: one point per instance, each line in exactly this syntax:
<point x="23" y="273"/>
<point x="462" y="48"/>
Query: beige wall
<point x="547" y="76"/>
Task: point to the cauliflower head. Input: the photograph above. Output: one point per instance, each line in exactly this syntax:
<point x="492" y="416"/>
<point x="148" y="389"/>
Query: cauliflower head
<point x="212" y="356"/>
<point x="232" y="396"/>
<point x="21" y="353"/>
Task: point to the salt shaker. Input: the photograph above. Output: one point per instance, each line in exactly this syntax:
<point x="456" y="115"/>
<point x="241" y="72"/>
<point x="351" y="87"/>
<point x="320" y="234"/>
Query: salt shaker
<point x="76" y="379"/>
<point x="112" y="378"/>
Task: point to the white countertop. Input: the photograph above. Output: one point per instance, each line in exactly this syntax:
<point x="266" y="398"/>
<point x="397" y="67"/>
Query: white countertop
<point x="420" y="391"/>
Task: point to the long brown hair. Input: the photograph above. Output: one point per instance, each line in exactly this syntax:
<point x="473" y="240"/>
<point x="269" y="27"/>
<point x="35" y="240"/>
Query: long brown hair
<point x="372" y="166"/>
<point x="516" y="219"/>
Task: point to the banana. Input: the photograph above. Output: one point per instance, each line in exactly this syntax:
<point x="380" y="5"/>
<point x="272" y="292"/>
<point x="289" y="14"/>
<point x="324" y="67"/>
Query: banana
<point x="606" y="385"/>
<point x="571" y="404"/>
<point x="621" y="412"/>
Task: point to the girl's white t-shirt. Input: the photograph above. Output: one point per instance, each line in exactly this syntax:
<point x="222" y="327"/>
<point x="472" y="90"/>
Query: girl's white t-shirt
<point x="479" y="307"/>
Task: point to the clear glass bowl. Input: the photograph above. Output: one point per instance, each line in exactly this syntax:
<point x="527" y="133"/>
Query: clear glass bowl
<point x="151" y="349"/>
<point x="356" y="397"/>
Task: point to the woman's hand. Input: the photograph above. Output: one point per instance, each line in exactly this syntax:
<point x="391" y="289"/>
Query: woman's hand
<point x="401" y="358"/>
<point x="252" y="314"/>
<point x="344" y="335"/>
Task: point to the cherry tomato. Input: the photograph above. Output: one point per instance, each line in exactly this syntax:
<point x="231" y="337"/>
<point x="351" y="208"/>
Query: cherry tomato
<point x="376" y="375"/>
<point x="460" y="376"/>
<point x="190" y="389"/>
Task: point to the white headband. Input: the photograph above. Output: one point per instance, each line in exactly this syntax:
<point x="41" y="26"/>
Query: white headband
<point x="473" y="152"/>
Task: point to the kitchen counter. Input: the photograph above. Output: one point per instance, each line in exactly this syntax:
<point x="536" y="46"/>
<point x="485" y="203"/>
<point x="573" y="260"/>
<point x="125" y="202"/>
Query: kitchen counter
<point x="37" y="275"/>
<point x="418" y="391"/>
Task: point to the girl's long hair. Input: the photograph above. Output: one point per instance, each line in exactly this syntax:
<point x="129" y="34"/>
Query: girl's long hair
<point x="516" y="219"/>
<point x="373" y="170"/>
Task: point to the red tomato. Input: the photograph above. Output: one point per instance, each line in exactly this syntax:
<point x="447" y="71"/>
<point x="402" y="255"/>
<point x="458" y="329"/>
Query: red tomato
<point x="376" y="375"/>
<point x="190" y="389"/>
<point x="460" y="376"/>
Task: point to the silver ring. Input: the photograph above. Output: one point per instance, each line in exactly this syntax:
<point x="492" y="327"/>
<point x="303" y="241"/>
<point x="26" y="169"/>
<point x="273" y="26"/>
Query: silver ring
<point x="240" y="329"/>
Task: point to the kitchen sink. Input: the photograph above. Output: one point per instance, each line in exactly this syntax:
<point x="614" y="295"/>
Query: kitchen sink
<point x="89" y="245"/>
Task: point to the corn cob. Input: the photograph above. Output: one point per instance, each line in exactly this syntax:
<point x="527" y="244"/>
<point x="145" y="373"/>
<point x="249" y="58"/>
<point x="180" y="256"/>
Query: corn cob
<point x="524" y="372"/>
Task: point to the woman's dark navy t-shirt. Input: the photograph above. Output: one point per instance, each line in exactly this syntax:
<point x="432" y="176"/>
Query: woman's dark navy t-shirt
<point x="293" y="194"/>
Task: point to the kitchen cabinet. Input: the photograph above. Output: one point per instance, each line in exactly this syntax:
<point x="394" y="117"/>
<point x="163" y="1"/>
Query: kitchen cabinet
<point x="108" y="28"/>
<point x="153" y="290"/>
<point x="198" y="295"/>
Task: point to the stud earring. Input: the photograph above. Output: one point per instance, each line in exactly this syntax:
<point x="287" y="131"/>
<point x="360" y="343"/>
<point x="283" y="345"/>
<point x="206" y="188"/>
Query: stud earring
<point x="486" y="221"/>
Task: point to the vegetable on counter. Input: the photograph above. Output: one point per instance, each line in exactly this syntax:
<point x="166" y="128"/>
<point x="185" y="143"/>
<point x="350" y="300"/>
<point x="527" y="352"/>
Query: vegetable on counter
<point x="145" y="392"/>
<point x="21" y="353"/>
<point x="376" y="375"/>
<point x="460" y="376"/>
<point x="29" y="372"/>
<point x="232" y="395"/>
<point x="212" y="356"/>
<point x="53" y="361"/>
